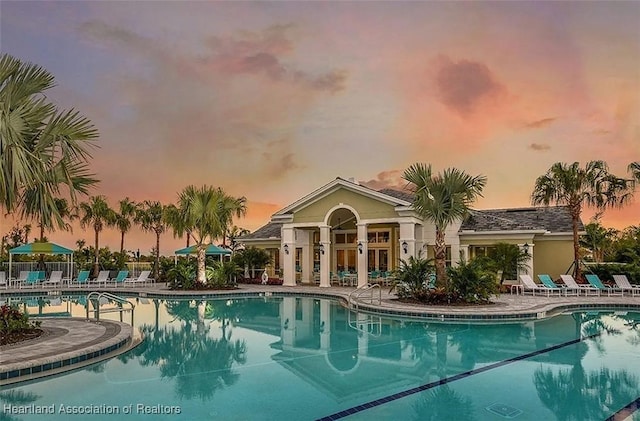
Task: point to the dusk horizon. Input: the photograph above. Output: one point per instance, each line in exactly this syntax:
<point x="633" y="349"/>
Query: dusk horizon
<point x="273" y="100"/>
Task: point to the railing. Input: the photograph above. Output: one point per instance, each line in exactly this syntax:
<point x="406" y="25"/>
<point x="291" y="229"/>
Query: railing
<point x="94" y="297"/>
<point x="357" y="293"/>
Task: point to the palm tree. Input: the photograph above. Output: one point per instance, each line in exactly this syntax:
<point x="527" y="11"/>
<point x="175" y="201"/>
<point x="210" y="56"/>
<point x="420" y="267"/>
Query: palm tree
<point x="575" y="187"/>
<point x="508" y="260"/>
<point x="152" y="217"/>
<point x="443" y="199"/>
<point x="38" y="142"/>
<point x="176" y="220"/>
<point x="598" y="239"/>
<point x="233" y="234"/>
<point x="124" y="218"/>
<point x="97" y="214"/>
<point x="206" y="213"/>
<point x="634" y="169"/>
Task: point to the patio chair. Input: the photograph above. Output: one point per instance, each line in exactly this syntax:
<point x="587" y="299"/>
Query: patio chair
<point x="529" y="285"/>
<point x="101" y="279"/>
<point x="82" y="279"/>
<point x="142" y="279"/>
<point x="624" y="285"/>
<point x="586" y="289"/>
<point x="23" y="277"/>
<point x="55" y="280"/>
<point x="32" y="280"/>
<point x="594" y="280"/>
<point x="549" y="283"/>
<point x="3" y="280"/>
<point x="119" y="279"/>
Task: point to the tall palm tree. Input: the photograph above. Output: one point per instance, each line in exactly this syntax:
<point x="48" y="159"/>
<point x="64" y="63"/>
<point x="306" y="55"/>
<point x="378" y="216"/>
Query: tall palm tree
<point x="36" y="139"/>
<point x="124" y="218"/>
<point x="207" y="212"/>
<point x="152" y="217"/>
<point x="575" y="187"/>
<point x="233" y="234"/>
<point x="442" y="199"/>
<point x="97" y="214"/>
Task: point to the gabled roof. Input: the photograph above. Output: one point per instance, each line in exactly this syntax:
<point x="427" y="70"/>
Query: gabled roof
<point x="386" y="195"/>
<point x="553" y="219"/>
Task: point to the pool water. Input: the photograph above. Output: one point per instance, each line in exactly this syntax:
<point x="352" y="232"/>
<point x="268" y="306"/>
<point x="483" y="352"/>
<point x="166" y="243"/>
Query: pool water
<point x="300" y="358"/>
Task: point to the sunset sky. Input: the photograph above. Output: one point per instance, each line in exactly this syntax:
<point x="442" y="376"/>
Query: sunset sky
<point x="271" y="100"/>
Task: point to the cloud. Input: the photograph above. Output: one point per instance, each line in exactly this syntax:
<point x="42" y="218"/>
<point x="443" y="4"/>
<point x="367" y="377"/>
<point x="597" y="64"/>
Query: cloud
<point x="462" y="86"/>
<point x="391" y="179"/>
<point x="540" y="123"/>
<point x="539" y="147"/>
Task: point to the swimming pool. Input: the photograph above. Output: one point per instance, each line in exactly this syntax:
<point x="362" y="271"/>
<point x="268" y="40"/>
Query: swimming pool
<point x="306" y="358"/>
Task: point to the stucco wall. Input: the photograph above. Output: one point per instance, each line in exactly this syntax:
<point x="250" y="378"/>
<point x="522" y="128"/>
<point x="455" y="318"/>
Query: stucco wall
<point x="552" y="257"/>
<point x="366" y="207"/>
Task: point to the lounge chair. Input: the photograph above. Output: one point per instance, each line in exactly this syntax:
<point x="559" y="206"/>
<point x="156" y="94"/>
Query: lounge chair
<point x="595" y="281"/>
<point x="3" y="280"/>
<point x="548" y="282"/>
<point x="586" y="289"/>
<point x="55" y="280"/>
<point x="119" y="279"/>
<point x="82" y="279"/>
<point x="140" y="280"/>
<point x="102" y="279"/>
<point x="529" y="285"/>
<point x="23" y="277"/>
<point x="32" y="280"/>
<point x="624" y="285"/>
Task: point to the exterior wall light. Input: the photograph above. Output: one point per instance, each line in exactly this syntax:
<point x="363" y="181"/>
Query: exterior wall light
<point x="286" y="249"/>
<point x="322" y="248"/>
<point x="405" y="247"/>
<point x="526" y="249"/>
<point x="360" y="247"/>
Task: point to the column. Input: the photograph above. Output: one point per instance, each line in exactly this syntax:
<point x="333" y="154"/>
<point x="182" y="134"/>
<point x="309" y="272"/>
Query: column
<point x="325" y="255"/>
<point x="289" y="256"/>
<point x="363" y="255"/>
<point x="464" y="252"/>
<point x="407" y="240"/>
<point x="527" y="248"/>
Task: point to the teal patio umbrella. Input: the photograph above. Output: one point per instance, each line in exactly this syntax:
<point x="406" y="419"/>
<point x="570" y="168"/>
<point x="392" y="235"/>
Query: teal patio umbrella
<point x="212" y="250"/>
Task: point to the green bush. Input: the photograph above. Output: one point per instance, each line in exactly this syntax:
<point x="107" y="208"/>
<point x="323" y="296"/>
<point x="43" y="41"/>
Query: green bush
<point x="473" y="282"/>
<point x="412" y="278"/>
<point x="182" y="275"/>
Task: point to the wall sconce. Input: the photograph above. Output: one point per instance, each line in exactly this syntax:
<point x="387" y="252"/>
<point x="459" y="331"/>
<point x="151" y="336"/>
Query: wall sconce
<point x="321" y="327"/>
<point x="526" y="249"/>
<point x="360" y="247"/>
<point x="322" y="248"/>
<point x="286" y="324"/>
<point x="286" y="249"/>
<point x="405" y="247"/>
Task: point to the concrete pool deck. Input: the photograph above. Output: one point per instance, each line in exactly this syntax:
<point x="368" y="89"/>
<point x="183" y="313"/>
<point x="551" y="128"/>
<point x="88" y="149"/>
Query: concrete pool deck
<point x="70" y="343"/>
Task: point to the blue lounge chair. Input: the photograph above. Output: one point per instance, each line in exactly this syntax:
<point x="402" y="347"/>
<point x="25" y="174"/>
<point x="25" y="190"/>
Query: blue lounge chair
<point x="32" y="280"/>
<point x="529" y="285"/>
<point x="82" y="279"/>
<point x="119" y="279"/>
<point x="595" y="281"/>
<point x="549" y="283"/>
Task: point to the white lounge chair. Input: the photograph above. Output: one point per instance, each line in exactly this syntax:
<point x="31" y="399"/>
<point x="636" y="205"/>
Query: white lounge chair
<point x="529" y="285"/>
<point x="624" y="285"/>
<point x="55" y="279"/>
<point x="102" y="279"/>
<point x="571" y="283"/>
<point x="3" y="280"/>
<point x="142" y="279"/>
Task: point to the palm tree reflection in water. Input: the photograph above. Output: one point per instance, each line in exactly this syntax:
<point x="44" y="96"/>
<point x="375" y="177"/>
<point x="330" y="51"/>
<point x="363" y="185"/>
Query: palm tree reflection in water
<point x="199" y="363"/>
<point x="576" y="394"/>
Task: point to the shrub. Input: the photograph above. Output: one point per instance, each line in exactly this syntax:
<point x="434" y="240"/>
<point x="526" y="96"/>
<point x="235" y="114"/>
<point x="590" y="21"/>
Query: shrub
<point x="473" y="282"/>
<point x="606" y="271"/>
<point x="14" y="321"/>
<point x="182" y="275"/>
<point x="412" y="278"/>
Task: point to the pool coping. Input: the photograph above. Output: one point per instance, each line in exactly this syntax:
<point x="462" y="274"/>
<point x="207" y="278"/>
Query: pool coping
<point x="117" y="338"/>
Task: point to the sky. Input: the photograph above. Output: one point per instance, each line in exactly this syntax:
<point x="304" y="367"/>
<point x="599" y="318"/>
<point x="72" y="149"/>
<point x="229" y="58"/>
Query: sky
<point x="271" y="100"/>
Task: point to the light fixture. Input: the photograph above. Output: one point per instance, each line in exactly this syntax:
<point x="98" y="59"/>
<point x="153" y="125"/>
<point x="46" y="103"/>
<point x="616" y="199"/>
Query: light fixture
<point x="286" y="249"/>
<point x="405" y="247"/>
<point x="322" y="327"/>
<point x="360" y="247"/>
<point x="286" y="324"/>
<point x="526" y="249"/>
<point x="322" y="248"/>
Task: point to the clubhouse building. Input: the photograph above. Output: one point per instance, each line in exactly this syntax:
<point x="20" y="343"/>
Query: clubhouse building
<point x="346" y="228"/>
